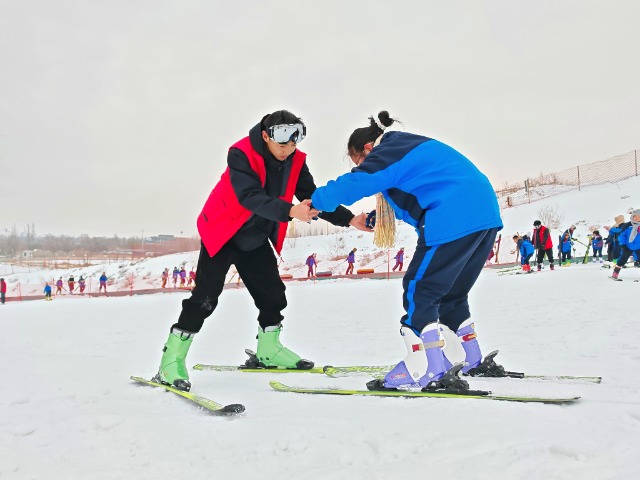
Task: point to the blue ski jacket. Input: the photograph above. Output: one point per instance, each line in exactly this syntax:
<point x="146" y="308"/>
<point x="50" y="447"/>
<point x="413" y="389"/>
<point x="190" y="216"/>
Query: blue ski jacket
<point x="526" y="249"/>
<point x="624" y="238"/>
<point x="597" y="243"/>
<point x="428" y="184"/>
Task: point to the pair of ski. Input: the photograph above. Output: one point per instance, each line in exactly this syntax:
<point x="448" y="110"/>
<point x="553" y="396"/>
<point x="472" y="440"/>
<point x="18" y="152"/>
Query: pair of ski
<point x="380" y="371"/>
<point x="365" y="370"/>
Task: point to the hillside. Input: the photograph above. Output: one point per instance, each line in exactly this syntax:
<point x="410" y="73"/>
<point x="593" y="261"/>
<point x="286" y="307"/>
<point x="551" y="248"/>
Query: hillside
<point x="592" y="207"/>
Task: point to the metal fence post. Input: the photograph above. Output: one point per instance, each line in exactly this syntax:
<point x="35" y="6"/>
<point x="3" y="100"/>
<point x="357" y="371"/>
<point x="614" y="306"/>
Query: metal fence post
<point x="635" y="152"/>
<point x="578" y="177"/>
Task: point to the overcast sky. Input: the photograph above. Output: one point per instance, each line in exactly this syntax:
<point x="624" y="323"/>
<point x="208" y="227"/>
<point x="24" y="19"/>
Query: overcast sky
<point x="116" y="116"/>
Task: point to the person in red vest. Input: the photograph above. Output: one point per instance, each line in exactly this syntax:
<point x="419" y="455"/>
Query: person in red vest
<point x="3" y="290"/>
<point x="542" y="243"/>
<point x="249" y="207"/>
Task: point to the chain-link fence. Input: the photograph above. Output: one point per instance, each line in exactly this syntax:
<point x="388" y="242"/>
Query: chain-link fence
<point x="613" y="169"/>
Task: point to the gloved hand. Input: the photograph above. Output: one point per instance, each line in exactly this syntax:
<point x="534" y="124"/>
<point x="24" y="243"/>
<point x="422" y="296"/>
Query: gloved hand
<point x="371" y="219"/>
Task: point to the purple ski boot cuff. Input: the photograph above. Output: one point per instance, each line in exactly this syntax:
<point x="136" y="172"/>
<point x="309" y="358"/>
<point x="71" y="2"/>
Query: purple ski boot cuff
<point x="435" y="356"/>
<point x="471" y="347"/>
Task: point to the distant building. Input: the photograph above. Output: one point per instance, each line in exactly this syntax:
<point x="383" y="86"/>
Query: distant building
<point x="160" y="239"/>
<point x="27" y="254"/>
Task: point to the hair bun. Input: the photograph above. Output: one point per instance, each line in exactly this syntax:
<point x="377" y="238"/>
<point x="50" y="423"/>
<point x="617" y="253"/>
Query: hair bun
<point x="385" y="119"/>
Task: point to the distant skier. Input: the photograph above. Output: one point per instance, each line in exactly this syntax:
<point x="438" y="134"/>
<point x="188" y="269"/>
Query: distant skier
<point x="429" y="185"/>
<point x="613" y="245"/>
<point x="165" y="277"/>
<point x="3" y="291"/>
<point x="59" y="286"/>
<point x="47" y="291"/>
<point x="192" y="278"/>
<point x="183" y="277"/>
<point x="351" y="259"/>
<point x="72" y="284"/>
<point x="175" y="274"/>
<point x="82" y="284"/>
<point x="399" y="260"/>
<point x="597" y="243"/>
<point x="526" y="251"/>
<point x="562" y="248"/>
<point x="542" y="243"/>
<point x="629" y="242"/>
<point x="311" y="263"/>
<point x="565" y="249"/>
<point x="103" y="282"/>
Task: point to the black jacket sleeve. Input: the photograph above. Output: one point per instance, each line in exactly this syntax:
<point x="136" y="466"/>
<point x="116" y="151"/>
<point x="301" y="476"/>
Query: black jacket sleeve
<point x="248" y="188"/>
<point x="341" y="216"/>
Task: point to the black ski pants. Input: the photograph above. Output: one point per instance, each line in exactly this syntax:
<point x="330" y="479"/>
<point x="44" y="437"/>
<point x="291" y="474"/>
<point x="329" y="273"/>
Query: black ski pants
<point x="541" y="254"/>
<point x="624" y="256"/>
<point x="258" y="270"/>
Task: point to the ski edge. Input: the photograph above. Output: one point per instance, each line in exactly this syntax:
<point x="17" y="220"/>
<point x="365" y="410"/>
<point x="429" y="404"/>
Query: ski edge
<point x="374" y="370"/>
<point x="233" y="368"/>
<point x="377" y="393"/>
<point x="211" y="406"/>
<point x="337" y="372"/>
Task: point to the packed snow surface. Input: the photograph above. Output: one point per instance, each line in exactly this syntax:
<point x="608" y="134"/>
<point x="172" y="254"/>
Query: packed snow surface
<point x="69" y="411"/>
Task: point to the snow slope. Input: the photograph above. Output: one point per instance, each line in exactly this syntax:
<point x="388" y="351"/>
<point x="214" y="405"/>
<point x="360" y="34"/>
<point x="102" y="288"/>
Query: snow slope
<point x="69" y="411"/>
<point x="594" y="206"/>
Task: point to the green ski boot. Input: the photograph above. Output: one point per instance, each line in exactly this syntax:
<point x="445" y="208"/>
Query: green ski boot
<point x="172" y="368"/>
<point x="272" y="354"/>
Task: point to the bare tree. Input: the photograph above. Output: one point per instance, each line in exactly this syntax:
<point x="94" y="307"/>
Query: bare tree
<point x="550" y="216"/>
<point x="336" y="247"/>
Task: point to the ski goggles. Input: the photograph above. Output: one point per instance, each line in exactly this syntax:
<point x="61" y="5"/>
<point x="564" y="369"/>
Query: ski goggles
<point x="285" y="133"/>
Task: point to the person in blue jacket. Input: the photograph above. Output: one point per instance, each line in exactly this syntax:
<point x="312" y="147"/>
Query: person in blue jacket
<point x="613" y="245"/>
<point x="103" y="283"/>
<point x="563" y="253"/>
<point x="597" y="243"/>
<point x="629" y="242"/>
<point x="565" y="249"/>
<point x="454" y="210"/>
<point x="525" y="247"/>
<point x="47" y="291"/>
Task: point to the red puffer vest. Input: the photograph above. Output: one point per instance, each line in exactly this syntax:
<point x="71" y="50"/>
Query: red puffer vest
<point x="538" y="236"/>
<point x="222" y="215"/>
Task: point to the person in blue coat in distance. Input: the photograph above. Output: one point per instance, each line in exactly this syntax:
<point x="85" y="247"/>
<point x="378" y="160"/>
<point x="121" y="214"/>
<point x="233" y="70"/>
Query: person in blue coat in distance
<point x="455" y="212"/>
<point x="629" y="242"/>
<point x="526" y="249"/>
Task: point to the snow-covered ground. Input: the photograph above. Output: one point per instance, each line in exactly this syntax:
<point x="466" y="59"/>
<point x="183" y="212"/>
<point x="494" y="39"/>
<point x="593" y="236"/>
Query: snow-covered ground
<point x="69" y="411"/>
